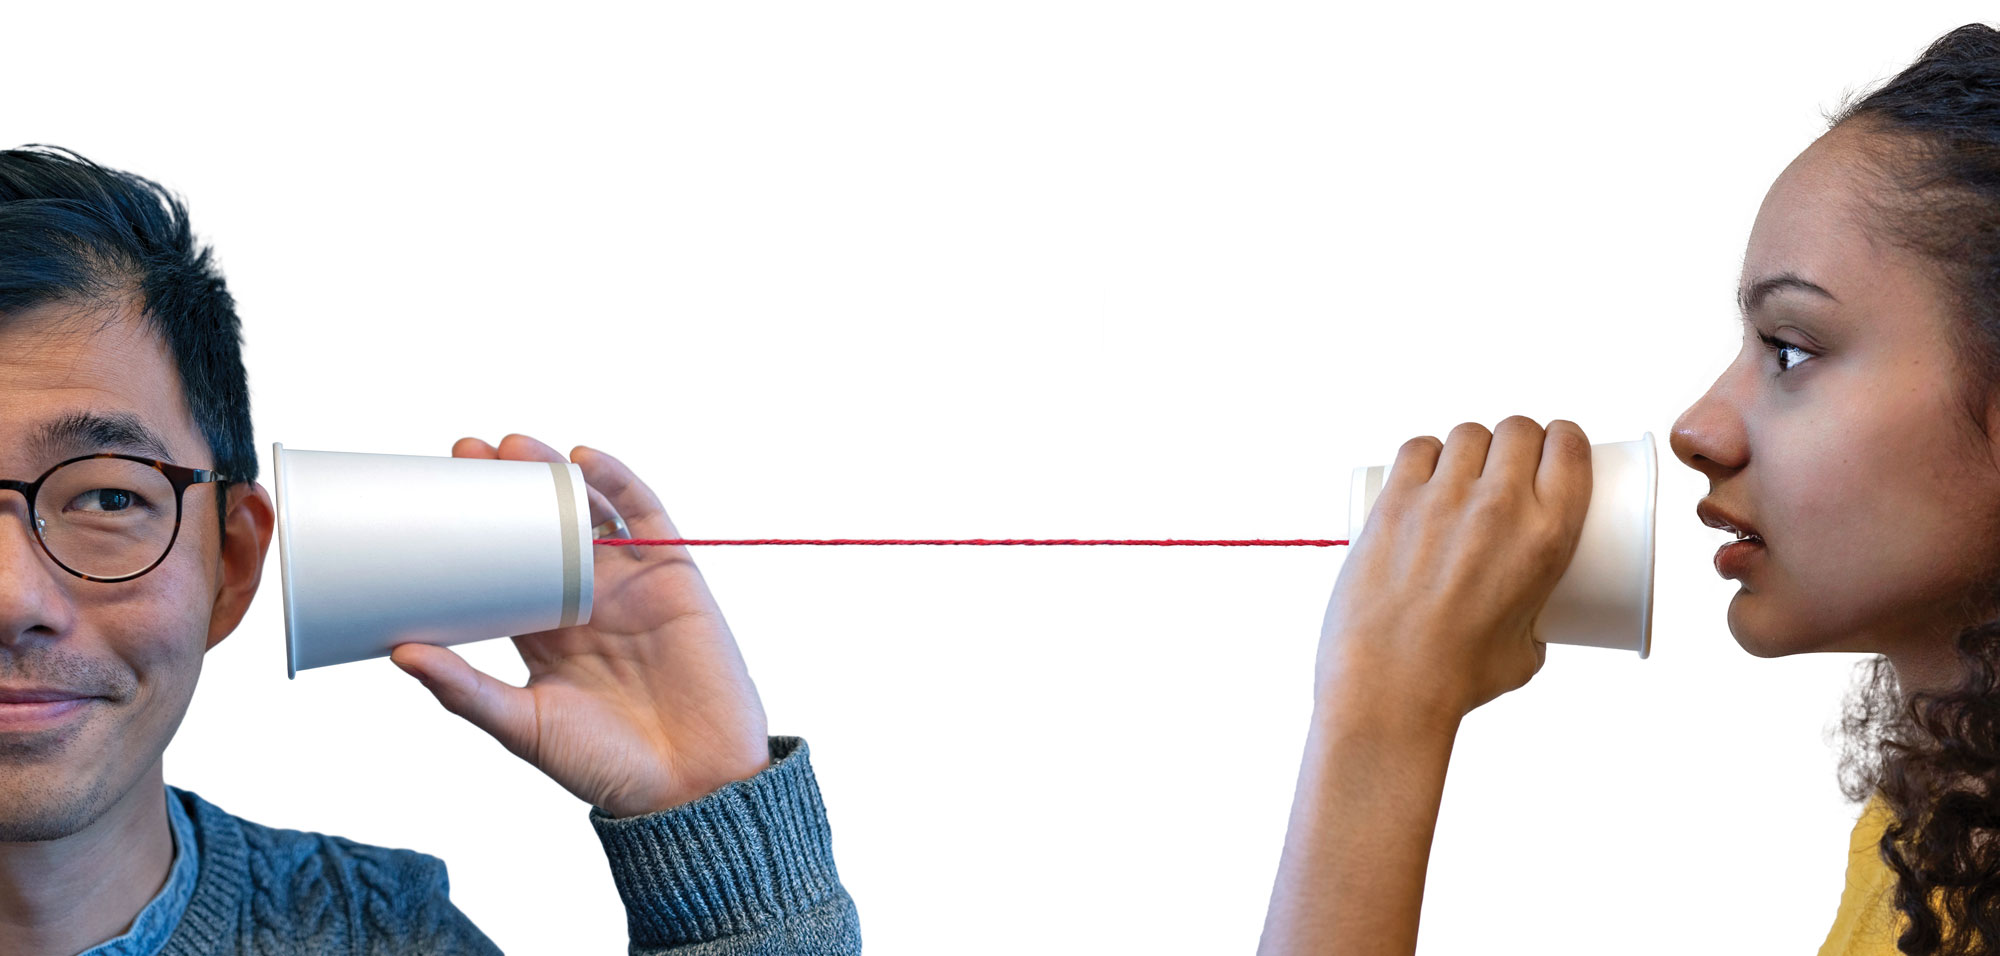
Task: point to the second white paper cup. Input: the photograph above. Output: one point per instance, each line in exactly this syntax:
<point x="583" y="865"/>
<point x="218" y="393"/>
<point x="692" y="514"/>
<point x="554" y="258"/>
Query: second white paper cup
<point x="380" y="550"/>
<point x="1605" y="597"/>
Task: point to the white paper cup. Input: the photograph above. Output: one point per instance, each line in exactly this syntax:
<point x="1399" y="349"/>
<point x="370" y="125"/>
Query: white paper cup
<point x="380" y="550"/>
<point x="1605" y="597"/>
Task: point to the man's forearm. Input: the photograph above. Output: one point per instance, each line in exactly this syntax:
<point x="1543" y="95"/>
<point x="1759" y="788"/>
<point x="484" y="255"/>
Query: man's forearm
<point x="1351" y="880"/>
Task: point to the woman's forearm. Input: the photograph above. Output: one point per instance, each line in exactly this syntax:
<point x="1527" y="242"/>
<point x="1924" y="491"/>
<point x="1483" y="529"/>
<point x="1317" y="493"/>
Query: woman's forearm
<point x="1351" y="879"/>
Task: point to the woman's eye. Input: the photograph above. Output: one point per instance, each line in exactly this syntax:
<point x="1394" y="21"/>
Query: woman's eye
<point x="1781" y="347"/>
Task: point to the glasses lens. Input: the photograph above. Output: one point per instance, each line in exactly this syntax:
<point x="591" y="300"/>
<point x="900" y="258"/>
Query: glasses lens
<point x="107" y="517"/>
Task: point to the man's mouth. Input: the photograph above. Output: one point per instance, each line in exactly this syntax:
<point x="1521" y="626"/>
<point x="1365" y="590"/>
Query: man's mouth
<point x="27" y="716"/>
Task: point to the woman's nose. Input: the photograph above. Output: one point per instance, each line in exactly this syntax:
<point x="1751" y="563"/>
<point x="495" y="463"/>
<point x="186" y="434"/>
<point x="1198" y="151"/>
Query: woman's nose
<point x="1708" y="437"/>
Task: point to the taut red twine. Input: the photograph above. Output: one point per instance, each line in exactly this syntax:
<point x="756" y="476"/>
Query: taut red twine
<point x="1170" y="542"/>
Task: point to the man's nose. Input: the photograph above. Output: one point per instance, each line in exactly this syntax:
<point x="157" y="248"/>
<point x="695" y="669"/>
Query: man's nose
<point x="32" y="601"/>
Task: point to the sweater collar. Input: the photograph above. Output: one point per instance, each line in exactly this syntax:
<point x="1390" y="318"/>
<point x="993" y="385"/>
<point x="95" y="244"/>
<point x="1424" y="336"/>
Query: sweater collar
<point x="158" y="917"/>
<point x="209" y="924"/>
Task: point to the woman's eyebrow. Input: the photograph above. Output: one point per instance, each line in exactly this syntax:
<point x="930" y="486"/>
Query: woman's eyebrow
<point x="1753" y="295"/>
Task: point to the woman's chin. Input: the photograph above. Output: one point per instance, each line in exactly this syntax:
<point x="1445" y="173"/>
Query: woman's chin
<point x="1765" y="650"/>
<point x="1762" y="641"/>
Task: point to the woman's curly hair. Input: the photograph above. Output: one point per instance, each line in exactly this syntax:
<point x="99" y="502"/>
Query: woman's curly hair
<point x="1934" y="758"/>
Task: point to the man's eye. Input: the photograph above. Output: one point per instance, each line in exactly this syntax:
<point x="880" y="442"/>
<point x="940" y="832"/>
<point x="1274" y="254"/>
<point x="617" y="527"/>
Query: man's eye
<point x="1781" y="346"/>
<point x="108" y="500"/>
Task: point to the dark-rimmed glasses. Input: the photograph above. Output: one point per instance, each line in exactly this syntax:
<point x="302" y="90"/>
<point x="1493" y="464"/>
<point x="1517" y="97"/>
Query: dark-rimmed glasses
<point x="110" y="519"/>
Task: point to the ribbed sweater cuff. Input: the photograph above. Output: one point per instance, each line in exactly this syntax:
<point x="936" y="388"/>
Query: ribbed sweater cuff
<point x="750" y="853"/>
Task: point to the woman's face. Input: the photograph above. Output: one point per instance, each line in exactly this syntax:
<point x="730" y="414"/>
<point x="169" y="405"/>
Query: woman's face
<point x="1846" y="449"/>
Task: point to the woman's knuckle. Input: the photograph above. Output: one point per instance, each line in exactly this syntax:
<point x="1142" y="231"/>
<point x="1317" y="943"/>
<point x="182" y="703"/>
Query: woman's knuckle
<point x="1552" y="545"/>
<point x="1490" y="507"/>
<point x="1568" y="440"/>
<point x="1554" y="559"/>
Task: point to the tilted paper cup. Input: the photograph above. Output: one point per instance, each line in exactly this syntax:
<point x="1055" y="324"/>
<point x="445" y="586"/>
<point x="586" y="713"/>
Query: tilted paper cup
<point x="380" y="550"/>
<point x="1605" y="597"/>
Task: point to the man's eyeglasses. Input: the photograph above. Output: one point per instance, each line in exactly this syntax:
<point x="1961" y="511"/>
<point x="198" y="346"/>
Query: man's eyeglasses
<point x="109" y="517"/>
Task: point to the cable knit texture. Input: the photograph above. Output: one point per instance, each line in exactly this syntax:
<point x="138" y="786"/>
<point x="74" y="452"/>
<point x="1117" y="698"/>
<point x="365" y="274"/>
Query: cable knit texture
<point x="744" y="871"/>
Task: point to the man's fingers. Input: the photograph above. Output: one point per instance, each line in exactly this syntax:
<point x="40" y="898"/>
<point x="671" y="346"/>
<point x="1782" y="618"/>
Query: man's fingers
<point x="520" y="447"/>
<point x="473" y="448"/>
<point x="608" y="482"/>
<point x="633" y="501"/>
<point x="601" y="511"/>
<point x="501" y="709"/>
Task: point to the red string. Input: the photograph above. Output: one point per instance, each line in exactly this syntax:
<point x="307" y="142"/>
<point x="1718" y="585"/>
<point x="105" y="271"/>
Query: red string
<point x="1253" y="543"/>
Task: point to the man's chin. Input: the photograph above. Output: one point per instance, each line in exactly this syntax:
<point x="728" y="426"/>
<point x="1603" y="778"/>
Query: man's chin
<point x="32" y="813"/>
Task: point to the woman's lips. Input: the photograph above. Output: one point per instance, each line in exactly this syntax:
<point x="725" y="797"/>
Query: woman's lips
<point x="40" y="715"/>
<point x="1732" y="560"/>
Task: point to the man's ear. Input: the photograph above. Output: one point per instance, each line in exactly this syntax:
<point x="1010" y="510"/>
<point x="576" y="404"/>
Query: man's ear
<point x="250" y="522"/>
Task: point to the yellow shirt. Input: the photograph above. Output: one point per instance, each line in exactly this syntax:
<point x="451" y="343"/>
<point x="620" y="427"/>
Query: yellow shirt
<point x="1867" y="923"/>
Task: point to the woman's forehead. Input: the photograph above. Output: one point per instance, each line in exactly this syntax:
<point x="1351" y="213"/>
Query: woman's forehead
<point x="1818" y="223"/>
<point x="1813" y="221"/>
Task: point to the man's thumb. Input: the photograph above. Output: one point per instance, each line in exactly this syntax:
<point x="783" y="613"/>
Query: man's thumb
<point x="499" y="708"/>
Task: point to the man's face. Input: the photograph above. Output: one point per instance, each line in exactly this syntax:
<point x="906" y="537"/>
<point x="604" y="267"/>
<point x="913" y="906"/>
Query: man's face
<point x="135" y="647"/>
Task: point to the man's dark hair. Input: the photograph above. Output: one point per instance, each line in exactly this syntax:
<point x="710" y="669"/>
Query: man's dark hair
<point x="74" y="231"/>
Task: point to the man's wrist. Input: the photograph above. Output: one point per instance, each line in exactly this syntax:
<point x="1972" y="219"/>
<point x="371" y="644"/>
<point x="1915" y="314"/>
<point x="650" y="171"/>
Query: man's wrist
<point x="736" y="859"/>
<point x="688" y="790"/>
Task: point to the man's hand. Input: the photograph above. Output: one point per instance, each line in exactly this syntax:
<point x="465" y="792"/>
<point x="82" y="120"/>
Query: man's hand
<point x="646" y="706"/>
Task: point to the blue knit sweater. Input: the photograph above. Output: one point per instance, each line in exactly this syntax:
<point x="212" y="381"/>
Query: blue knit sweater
<point x="745" y="870"/>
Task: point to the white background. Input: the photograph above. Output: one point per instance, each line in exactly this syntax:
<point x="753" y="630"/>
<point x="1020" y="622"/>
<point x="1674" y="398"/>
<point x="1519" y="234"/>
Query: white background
<point x="1024" y="269"/>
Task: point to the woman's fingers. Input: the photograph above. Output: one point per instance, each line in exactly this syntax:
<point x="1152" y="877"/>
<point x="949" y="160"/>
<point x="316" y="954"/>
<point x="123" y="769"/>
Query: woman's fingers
<point x="1415" y="461"/>
<point x="1464" y="454"/>
<point x="1563" y="478"/>
<point x="1516" y="452"/>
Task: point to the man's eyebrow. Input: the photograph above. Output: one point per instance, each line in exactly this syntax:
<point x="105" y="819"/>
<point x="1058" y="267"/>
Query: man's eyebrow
<point x="81" y="432"/>
<point x="1753" y="295"/>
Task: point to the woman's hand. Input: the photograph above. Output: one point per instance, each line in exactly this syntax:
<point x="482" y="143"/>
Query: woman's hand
<point x="1431" y="617"/>
<point x="647" y="705"/>
<point x="1465" y="543"/>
